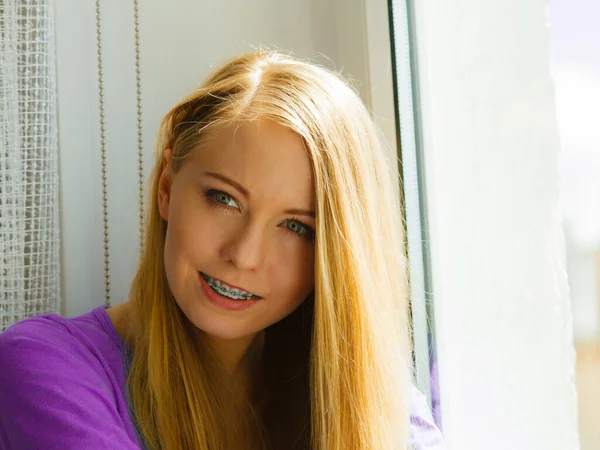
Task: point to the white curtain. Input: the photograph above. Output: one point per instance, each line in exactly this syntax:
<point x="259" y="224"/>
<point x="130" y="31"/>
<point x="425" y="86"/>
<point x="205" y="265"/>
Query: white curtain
<point x="29" y="220"/>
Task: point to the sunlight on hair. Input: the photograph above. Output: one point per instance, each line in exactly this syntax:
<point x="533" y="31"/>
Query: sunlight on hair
<point x="336" y="372"/>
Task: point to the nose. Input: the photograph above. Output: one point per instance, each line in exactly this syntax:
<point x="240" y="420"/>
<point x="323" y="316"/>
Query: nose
<point x="245" y="247"/>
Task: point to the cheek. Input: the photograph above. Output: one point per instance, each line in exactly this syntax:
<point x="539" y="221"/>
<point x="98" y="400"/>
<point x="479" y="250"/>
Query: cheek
<point x="293" y="273"/>
<point x="190" y="233"/>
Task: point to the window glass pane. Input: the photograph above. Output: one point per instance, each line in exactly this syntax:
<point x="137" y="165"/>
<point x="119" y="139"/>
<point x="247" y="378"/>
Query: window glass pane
<point x="575" y="63"/>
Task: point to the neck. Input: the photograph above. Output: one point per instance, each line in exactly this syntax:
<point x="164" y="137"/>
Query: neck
<point x="238" y="356"/>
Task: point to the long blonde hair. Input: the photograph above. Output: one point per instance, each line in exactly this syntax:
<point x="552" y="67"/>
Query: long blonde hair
<point x="334" y="374"/>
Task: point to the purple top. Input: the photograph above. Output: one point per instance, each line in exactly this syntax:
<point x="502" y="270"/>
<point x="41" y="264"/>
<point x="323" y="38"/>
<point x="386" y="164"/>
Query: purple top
<point x="62" y="386"/>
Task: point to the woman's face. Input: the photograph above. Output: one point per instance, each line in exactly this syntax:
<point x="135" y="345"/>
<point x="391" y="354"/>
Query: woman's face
<point x="240" y="214"/>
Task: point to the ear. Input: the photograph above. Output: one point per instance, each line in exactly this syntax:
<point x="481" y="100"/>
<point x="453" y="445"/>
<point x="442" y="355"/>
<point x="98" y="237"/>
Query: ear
<point x="164" y="184"/>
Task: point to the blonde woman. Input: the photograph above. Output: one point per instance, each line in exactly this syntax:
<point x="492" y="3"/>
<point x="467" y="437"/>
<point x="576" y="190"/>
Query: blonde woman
<point x="269" y="308"/>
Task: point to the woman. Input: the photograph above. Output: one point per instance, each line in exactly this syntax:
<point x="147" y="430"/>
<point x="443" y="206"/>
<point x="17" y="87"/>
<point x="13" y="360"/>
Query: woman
<point x="269" y="308"/>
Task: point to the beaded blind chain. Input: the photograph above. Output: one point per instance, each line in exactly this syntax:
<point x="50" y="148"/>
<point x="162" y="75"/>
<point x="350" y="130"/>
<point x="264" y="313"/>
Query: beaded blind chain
<point x="103" y="155"/>
<point x="140" y="167"/>
<point x="138" y="87"/>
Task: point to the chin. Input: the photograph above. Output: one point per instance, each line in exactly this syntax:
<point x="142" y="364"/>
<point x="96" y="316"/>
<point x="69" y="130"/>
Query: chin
<point x="228" y="335"/>
<point x="218" y="327"/>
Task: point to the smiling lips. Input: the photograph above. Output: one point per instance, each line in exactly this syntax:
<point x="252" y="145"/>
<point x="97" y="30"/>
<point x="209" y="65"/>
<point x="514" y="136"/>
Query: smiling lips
<point x="234" y="293"/>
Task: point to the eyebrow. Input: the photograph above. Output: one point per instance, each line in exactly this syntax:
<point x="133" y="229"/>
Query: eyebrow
<point x="243" y="190"/>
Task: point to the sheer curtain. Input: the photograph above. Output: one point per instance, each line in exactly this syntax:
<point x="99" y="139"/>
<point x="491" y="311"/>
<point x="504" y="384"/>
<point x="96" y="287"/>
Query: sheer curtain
<point x="29" y="220"/>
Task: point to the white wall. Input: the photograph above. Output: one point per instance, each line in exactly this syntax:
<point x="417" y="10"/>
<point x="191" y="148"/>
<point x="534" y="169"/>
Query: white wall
<point x="180" y="41"/>
<point x="501" y="297"/>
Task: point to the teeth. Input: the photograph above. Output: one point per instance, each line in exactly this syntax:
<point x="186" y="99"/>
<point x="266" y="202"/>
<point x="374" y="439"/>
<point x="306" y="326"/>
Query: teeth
<point x="226" y="291"/>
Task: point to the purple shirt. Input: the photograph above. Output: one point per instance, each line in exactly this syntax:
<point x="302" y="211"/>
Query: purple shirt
<point x="62" y="386"/>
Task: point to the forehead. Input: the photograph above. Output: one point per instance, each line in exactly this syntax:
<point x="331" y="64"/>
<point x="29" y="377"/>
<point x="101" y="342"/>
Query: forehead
<point x="269" y="160"/>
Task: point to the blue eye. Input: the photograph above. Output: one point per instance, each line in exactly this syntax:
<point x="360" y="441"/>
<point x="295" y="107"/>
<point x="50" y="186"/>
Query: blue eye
<point x="299" y="228"/>
<point x="220" y="198"/>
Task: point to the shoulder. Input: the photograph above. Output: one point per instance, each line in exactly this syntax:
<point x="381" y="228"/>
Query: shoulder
<point x="424" y="433"/>
<point x="36" y="342"/>
<point x="54" y="342"/>
<point x="44" y="329"/>
<point x="42" y="359"/>
<point x="56" y="389"/>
